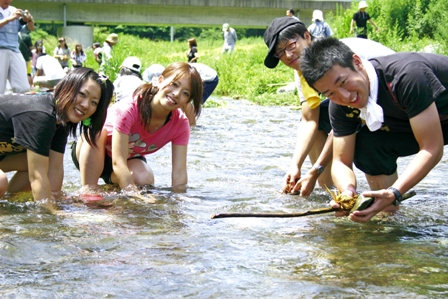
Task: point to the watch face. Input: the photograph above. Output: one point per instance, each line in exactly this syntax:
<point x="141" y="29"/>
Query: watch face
<point x="319" y="169"/>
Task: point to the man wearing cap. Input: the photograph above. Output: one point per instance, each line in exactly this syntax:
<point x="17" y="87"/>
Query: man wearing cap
<point x="108" y="45"/>
<point x="230" y="38"/>
<point x="12" y="64"/>
<point x="360" y="18"/>
<point x="286" y="38"/>
<point x="129" y="78"/>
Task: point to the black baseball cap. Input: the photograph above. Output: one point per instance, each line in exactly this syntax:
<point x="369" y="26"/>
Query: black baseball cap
<point x="271" y="37"/>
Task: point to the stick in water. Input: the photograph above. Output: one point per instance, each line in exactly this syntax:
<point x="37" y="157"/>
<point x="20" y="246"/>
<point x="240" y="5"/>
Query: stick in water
<point x="296" y="214"/>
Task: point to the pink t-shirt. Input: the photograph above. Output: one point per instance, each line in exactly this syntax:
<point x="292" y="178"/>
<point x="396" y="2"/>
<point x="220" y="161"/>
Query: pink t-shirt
<point x="125" y="118"/>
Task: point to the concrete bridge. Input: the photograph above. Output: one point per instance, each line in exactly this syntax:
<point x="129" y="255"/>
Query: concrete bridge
<point x="238" y="13"/>
<point x="76" y="16"/>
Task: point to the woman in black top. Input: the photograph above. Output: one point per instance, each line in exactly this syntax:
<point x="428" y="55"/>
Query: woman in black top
<point x="34" y="131"/>
<point x="192" y="53"/>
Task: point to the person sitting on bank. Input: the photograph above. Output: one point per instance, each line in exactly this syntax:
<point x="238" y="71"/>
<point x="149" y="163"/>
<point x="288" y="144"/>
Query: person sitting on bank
<point x="49" y="70"/>
<point x="403" y="100"/>
<point x="34" y="131"/>
<point x="286" y="38"/>
<point x="78" y="57"/>
<point x="128" y="79"/>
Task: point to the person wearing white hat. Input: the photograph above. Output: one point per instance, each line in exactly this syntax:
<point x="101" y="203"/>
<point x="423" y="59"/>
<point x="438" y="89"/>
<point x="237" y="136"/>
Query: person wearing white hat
<point x="129" y="78"/>
<point x="360" y="18"/>
<point x="319" y="29"/>
<point x="230" y="38"/>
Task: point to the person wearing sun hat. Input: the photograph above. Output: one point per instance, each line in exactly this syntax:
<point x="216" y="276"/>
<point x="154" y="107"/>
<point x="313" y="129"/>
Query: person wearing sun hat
<point x="129" y="78"/>
<point x="230" y="38"/>
<point x="319" y="28"/>
<point x="360" y="18"/>
<point x="286" y="38"/>
<point x="109" y="43"/>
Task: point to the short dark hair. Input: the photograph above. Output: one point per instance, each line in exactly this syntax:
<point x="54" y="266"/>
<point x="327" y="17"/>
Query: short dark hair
<point x="321" y="56"/>
<point x="292" y="11"/>
<point x="292" y="32"/>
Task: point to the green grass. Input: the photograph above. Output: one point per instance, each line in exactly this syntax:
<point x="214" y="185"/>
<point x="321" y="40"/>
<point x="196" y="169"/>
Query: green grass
<point x="242" y="75"/>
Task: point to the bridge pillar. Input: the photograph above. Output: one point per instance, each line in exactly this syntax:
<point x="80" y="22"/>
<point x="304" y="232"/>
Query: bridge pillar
<point x="77" y="34"/>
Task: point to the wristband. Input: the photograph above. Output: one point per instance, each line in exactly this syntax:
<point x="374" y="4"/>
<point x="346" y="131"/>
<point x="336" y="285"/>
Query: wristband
<point x="398" y="196"/>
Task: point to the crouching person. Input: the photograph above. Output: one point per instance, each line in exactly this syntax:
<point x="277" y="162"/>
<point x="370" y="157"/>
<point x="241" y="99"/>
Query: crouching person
<point x="34" y="131"/>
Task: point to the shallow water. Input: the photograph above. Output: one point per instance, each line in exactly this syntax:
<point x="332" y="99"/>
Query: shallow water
<point x="172" y="249"/>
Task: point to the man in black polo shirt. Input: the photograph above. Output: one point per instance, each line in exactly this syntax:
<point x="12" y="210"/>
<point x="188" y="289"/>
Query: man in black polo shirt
<point x="402" y="99"/>
<point x="360" y="18"/>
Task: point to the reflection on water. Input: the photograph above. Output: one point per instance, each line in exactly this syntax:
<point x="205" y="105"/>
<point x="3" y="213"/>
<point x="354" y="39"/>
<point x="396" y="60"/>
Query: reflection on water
<point x="172" y="249"/>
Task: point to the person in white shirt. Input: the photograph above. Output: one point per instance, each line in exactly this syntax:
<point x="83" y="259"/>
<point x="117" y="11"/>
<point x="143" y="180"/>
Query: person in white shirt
<point x="129" y="78"/>
<point x="230" y="38"/>
<point x="49" y="70"/>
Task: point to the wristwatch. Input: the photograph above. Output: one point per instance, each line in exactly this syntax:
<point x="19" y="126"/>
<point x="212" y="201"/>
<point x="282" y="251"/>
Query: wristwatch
<point x="319" y="168"/>
<point x="398" y="196"/>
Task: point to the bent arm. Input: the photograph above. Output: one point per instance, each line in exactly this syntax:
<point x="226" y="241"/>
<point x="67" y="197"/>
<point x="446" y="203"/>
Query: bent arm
<point x="14" y="16"/>
<point x="428" y="132"/>
<point x="373" y="23"/>
<point x="179" y="176"/>
<point x="196" y="56"/>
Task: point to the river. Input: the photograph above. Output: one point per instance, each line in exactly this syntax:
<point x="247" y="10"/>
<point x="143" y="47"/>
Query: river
<point x="238" y="155"/>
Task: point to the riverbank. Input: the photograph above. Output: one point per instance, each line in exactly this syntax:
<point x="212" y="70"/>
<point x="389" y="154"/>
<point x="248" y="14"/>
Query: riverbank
<point x="241" y="74"/>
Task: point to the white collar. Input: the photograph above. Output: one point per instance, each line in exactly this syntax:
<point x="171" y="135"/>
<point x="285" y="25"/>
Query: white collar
<point x="372" y="113"/>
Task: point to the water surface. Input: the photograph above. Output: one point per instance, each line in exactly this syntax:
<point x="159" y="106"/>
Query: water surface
<point x="172" y="249"/>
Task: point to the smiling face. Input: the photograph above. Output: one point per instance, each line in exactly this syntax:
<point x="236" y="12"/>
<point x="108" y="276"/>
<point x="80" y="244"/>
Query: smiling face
<point x="86" y="102"/>
<point x="173" y="93"/>
<point x="291" y="58"/>
<point x="344" y="86"/>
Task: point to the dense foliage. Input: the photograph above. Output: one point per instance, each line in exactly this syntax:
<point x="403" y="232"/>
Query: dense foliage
<point x="405" y="25"/>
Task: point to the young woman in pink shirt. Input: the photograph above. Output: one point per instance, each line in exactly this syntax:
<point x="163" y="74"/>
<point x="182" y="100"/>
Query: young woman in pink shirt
<point x="141" y="125"/>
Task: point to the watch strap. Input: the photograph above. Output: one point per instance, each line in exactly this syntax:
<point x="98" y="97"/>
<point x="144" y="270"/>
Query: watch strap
<point x="398" y="196"/>
<point x="319" y="168"/>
